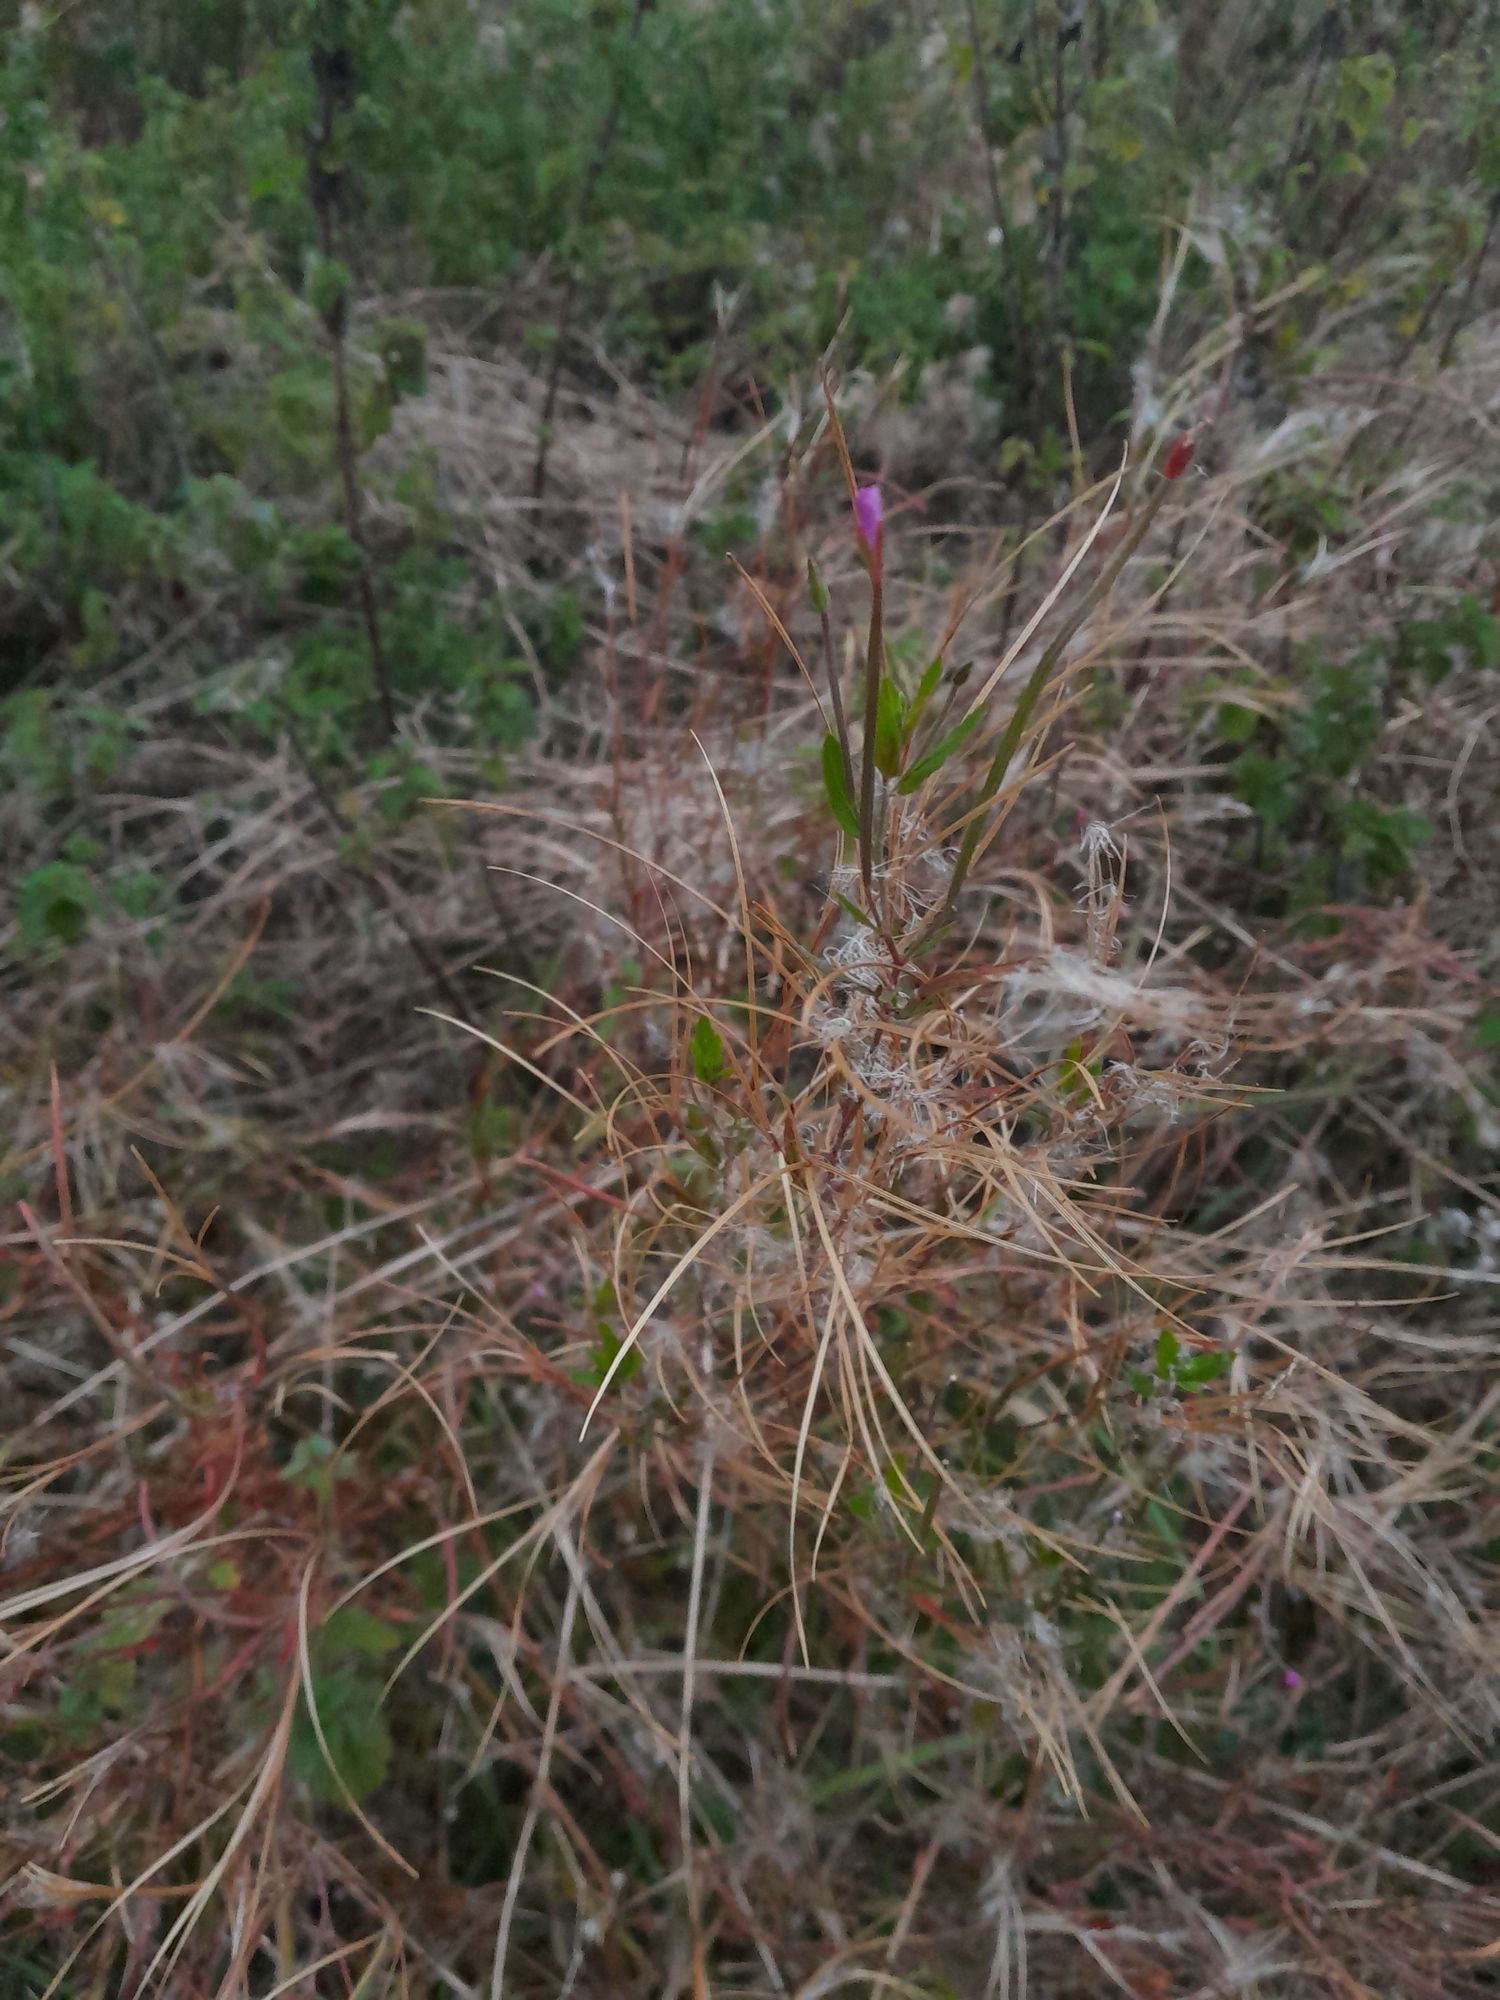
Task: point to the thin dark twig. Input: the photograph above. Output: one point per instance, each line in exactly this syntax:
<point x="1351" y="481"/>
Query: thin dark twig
<point x="1060" y="37"/>
<point x="333" y="81"/>
<point x="604" y="139"/>
<point x="1323" y="34"/>
<point x="1010" y="274"/>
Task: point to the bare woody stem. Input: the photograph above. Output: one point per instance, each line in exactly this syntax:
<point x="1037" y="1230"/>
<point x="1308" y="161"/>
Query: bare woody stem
<point x="1020" y="718"/>
<point x="604" y="139"/>
<point x="333" y="81"/>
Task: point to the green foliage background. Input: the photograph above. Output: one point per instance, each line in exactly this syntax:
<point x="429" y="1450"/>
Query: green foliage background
<point x="166" y="414"/>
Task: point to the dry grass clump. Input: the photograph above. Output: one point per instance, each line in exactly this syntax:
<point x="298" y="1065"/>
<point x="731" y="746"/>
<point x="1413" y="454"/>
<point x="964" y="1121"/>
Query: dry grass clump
<point x="919" y="1445"/>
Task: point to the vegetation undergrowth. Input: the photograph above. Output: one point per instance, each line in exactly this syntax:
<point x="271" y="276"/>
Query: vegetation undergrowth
<point x="763" y="1278"/>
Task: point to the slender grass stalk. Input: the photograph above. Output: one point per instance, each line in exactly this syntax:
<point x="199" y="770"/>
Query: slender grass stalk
<point x="1020" y="718"/>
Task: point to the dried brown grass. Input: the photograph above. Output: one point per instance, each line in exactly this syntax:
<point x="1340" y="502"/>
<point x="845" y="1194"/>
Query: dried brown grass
<point x="882" y="1631"/>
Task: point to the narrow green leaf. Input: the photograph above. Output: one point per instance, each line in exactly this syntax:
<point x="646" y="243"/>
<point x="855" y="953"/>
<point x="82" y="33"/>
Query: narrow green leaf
<point x="958" y="1745"/>
<point x="706" y="1049"/>
<point x="933" y="759"/>
<point x="351" y="1629"/>
<point x="889" y="720"/>
<point x="603" y="1356"/>
<point x="1168" y="1347"/>
<point x="1200" y="1369"/>
<point x="359" y="1743"/>
<point x="852" y="910"/>
<point x="839" y="801"/>
<point x="926" y="687"/>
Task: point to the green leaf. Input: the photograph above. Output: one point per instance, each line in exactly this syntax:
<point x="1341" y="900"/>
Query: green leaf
<point x="1200" y="1369"/>
<point x="839" y="802"/>
<point x="716" y="1813"/>
<point x="706" y="1050"/>
<point x="926" y="687"/>
<point x="1237" y="724"/>
<point x="933" y="759"/>
<point x="1268" y="785"/>
<point x="309" y="1466"/>
<point x="601" y="1360"/>
<point x="328" y="286"/>
<point x="852" y="910"/>
<point x="1478" y="630"/>
<point x="130" y="1627"/>
<point x="351" y="1629"/>
<point x="1168" y="1347"/>
<point x="1073" y="1080"/>
<point x="889" y="725"/>
<point x="141" y="894"/>
<point x="1383" y="840"/>
<point x="359" y="1744"/>
<point x="403" y="350"/>
<point x="54" y="903"/>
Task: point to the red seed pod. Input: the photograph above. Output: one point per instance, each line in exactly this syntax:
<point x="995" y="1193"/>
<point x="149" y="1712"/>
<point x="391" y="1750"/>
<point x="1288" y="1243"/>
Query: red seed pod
<point x="1179" y="457"/>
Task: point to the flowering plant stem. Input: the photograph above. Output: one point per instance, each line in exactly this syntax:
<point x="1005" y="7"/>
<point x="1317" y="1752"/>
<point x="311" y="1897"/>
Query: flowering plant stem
<point x="874" y="666"/>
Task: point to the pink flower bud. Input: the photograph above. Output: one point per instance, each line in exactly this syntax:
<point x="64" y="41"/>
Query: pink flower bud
<point x="1179" y="457"/>
<point x="868" y="515"/>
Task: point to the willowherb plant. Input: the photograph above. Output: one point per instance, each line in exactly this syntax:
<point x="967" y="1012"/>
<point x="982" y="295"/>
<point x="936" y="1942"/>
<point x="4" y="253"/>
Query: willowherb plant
<point x="898" y="1208"/>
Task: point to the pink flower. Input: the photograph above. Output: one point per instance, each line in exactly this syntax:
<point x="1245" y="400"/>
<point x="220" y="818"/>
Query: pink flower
<point x="1291" y="1678"/>
<point x="868" y="514"/>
